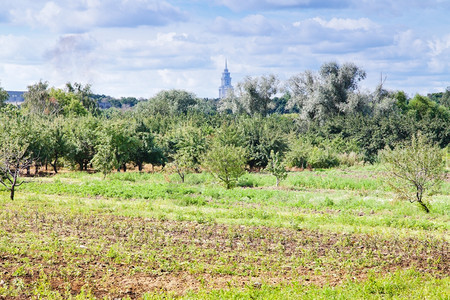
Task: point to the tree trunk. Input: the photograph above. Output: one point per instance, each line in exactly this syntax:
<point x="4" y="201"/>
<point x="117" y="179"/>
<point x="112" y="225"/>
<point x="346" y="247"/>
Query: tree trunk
<point x="423" y="205"/>
<point x="278" y="182"/>
<point x="12" y="193"/>
<point x="55" y="164"/>
<point x="124" y="167"/>
<point x="140" y="167"/>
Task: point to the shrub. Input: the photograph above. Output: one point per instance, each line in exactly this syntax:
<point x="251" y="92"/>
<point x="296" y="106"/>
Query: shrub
<point x="416" y="169"/>
<point x="226" y="163"/>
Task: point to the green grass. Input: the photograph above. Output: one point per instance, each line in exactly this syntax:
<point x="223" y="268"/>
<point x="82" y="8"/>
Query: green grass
<point x="327" y="234"/>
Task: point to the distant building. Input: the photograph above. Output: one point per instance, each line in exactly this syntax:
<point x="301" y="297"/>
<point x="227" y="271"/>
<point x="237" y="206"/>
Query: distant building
<point x="226" y="86"/>
<point x="15" y="97"/>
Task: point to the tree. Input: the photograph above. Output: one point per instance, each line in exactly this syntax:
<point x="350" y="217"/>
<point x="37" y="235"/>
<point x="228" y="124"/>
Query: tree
<point x="260" y="136"/>
<point x="276" y="167"/>
<point x="84" y="94"/>
<point x="330" y="92"/>
<point x="14" y="150"/>
<point x="38" y="101"/>
<point x="57" y="141"/>
<point x="69" y="102"/>
<point x="416" y="170"/>
<point x="226" y="163"/>
<point x="81" y="140"/>
<point x="104" y="159"/>
<point x="253" y="96"/>
<point x="169" y="103"/>
<point x="147" y="151"/>
<point x="13" y="160"/>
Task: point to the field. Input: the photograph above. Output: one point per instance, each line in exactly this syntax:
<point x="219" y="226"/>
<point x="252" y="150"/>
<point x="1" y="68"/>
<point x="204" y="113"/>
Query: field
<point x="334" y="234"/>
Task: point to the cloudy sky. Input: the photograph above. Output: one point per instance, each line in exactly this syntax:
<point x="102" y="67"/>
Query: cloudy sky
<point x="139" y="47"/>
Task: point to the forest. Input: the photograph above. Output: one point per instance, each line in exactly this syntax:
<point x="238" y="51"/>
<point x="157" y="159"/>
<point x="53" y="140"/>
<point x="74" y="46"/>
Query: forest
<point x="321" y="120"/>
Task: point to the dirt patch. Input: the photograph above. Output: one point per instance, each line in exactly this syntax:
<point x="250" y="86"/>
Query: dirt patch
<point x="123" y="256"/>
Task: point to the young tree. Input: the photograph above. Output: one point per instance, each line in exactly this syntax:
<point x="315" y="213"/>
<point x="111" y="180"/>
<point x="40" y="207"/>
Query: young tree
<point x="104" y="159"/>
<point x="226" y="162"/>
<point x="415" y="169"/>
<point x="13" y="161"/>
<point x="276" y="167"/>
<point x="14" y="149"/>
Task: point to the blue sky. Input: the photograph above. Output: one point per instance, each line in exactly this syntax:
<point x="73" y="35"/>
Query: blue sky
<point x="139" y="47"/>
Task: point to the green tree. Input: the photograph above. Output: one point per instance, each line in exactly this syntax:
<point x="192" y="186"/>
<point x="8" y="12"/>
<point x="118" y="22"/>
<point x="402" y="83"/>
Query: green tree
<point x="81" y="140"/>
<point x="147" y="150"/>
<point x="416" y="170"/>
<point x="124" y="140"/>
<point x="169" y="103"/>
<point x="276" y="167"/>
<point x="57" y="142"/>
<point x="104" y="159"/>
<point x="37" y="100"/>
<point x="329" y="93"/>
<point x="226" y="163"/>
<point x="15" y="156"/>
<point x="84" y="95"/>
<point x="253" y="96"/>
<point x="260" y="136"/>
<point x="69" y="102"/>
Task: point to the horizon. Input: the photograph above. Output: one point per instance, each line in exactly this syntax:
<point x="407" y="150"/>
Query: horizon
<point x="138" y="48"/>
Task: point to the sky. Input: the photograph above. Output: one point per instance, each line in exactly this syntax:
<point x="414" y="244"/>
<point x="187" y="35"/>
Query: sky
<point x="140" y="47"/>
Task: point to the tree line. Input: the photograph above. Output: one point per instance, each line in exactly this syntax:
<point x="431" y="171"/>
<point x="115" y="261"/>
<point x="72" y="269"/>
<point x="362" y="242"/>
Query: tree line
<point x="320" y="120"/>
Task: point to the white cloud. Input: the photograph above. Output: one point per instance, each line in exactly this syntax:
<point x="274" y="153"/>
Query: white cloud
<point x="249" y="26"/>
<point x="75" y="16"/>
<point x="346" y="24"/>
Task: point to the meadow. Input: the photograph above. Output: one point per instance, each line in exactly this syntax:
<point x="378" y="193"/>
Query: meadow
<point x="323" y="234"/>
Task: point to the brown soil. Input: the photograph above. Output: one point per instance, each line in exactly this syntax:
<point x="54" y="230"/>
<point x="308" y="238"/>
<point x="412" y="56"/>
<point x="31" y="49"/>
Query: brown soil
<point x="121" y="256"/>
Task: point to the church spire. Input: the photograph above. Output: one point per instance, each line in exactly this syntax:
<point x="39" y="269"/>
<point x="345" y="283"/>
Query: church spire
<point x="226" y="86"/>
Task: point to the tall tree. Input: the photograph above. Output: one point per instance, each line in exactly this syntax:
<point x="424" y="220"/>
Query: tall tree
<point x="38" y="101"/>
<point x="253" y="96"/>
<point x="330" y="92"/>
<point x="84" y="94"/>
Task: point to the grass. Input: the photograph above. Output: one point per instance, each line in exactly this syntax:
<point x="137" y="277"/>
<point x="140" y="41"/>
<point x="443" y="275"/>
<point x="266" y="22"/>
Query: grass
<point x="322" y="235"/>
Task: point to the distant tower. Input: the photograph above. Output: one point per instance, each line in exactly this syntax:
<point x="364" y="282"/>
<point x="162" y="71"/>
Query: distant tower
<point x="226" y="83"/>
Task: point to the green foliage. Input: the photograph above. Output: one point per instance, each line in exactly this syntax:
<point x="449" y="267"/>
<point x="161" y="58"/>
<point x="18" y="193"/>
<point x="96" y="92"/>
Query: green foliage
<point x="3" y="97"/>
<point x="169" y="103"/>
<point x="253" y="96"/>
<point x="328" y="93"/>
<point x="276" y="167"/>
<point x="416" y="170"/>
<point x="37" y="100"/>
<point x="15" y="154"/>
<point x="260" y="136"/>
<point x="226" y="163"/>
<point x="82" y="139"/>
<point x="68" y="102"/>
<point x="105" y="159"/>
<point x="303" y="153"/>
